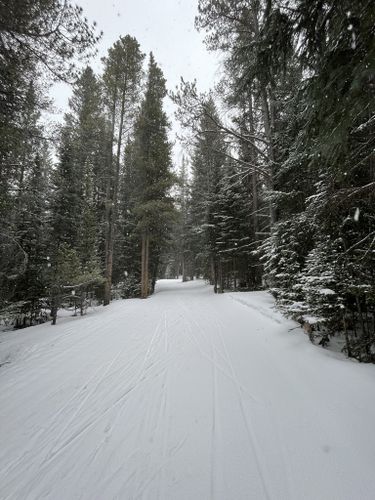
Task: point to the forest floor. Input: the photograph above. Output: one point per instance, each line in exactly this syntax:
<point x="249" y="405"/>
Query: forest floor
<point x="184" y="396"/>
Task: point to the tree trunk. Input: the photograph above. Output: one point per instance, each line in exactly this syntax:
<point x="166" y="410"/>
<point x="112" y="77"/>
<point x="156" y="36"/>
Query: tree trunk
<point x="184" y="277"/>
<point x="143" y="261"/>
<point x="221" y="277"/>
<point x="112" y="200"/>
<point x="254" y="177"/>
<point x="108" y="243"/>
<point x="271" y="155"/>
<point x="145" y="265"/>
<point x="347" y="341"/>
<point x="266" y="120"/>
<point x="54" y="303"/>
<point x="214" y="273"/>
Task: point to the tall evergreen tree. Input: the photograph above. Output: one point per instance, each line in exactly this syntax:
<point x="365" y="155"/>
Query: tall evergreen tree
<point x="79" y="177"/>
<point x="23" y="221"/>
<point x="42" y="36"/>
<point x="208" y="162"/>
<point x="37" y="38"/>
<point x="154" y="178"/>
<point x="77" y="205"/>
<point x="122" y="80"/>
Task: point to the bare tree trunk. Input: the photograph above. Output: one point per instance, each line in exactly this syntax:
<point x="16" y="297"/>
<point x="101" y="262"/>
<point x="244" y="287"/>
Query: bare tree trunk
<point x="55" y="300"/>
<point x="184" y="277"/>
<point x="214" y="273"/>
<point x="347" y="341"/>
<point x="108" y="244"/>
<point x="221" y="277"/>
<point x="112" y="200"/>
<point x="359" y="309"/>
<point x="254" y="177"/>
<point x="145" y="265"/>
<point x="271" y="154"/>
<point x="109" y="265"/>
<point x="266" y="119"/>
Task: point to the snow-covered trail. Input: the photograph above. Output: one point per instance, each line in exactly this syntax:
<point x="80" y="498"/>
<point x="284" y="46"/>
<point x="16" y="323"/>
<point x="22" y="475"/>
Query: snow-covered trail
<point x="186" y="395"/>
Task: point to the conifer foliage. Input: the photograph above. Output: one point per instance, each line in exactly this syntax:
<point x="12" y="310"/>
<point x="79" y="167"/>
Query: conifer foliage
<point x="152" y="164"/>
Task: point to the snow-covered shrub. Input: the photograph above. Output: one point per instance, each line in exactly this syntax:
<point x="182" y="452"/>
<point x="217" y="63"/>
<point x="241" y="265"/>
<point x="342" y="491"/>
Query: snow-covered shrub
<point x="129" y="288"/>
<point x="24" y="313"/>
<point x="283" y="255"/>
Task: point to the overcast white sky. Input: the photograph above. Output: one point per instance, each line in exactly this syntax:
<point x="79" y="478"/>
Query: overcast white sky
<point x="165" y="27"/>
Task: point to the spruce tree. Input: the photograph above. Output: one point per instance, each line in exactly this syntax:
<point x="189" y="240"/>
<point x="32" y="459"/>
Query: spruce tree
<point x="23" y="225"/>
<point x="122" y="79"/>
<point x="77" y="204"/>
<point x="208" y="162"/>
<point x="154" y="178"/>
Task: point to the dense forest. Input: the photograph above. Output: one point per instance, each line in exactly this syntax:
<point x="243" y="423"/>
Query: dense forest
<point x="276" y="188"/>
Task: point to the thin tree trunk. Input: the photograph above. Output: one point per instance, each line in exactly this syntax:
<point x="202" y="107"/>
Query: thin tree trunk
<point x="254" y="177"/>
<point x="108" y="244"/>
<point x="266" y="121"/>
<point x="214" y="273"/>
<point x="184" y="278"/>
<point x="360" y="315"/>
<point x="143" y="262"/>
<point x="271" y="154"/>
<point x="112" y="201"/>
<point x="54" y="303"/>
<point x="145" y="265"/>
<point x="147" y="277"/>
<point x="221" y="277"/>
<point x="347" y="341"/>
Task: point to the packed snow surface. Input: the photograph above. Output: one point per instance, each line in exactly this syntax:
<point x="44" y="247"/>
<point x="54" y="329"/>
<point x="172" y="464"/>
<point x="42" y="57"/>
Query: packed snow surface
<point x="184" y="396"/>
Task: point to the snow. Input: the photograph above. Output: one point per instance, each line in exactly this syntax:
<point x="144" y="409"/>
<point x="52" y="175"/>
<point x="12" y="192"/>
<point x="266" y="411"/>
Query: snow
<point x="356" y="215"/>
<point x="326" y="291"/>
<point x="313" y="320"/>
<point x="186" y="395"/>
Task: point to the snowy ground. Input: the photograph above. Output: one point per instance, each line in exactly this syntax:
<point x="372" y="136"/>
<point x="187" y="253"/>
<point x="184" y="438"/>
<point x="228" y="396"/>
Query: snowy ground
<point x="186" y="395"/>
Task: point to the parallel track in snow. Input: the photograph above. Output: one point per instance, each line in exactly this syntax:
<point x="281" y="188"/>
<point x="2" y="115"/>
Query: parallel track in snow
<point x="183" y="396"/>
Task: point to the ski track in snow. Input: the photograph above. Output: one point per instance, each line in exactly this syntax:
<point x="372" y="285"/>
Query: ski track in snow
<point x="184" y="396"/>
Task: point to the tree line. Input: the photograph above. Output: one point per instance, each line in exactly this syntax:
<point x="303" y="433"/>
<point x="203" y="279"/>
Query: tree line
<point x="85" y="210"/>
<point x="282" y="193"/>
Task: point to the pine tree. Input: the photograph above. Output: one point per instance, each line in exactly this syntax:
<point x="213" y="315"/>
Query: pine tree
<point x="122" y="80"/>
<point x="154" y="178"/>
<point x="24" y="229"/>
<point x="183" y="199"/>
<point x="77" y="204"/>
<point x="207" y="169"/>
<point x="37" y="39"/>
<point x="236" y="232"/>
<point x="126" y="265"/>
